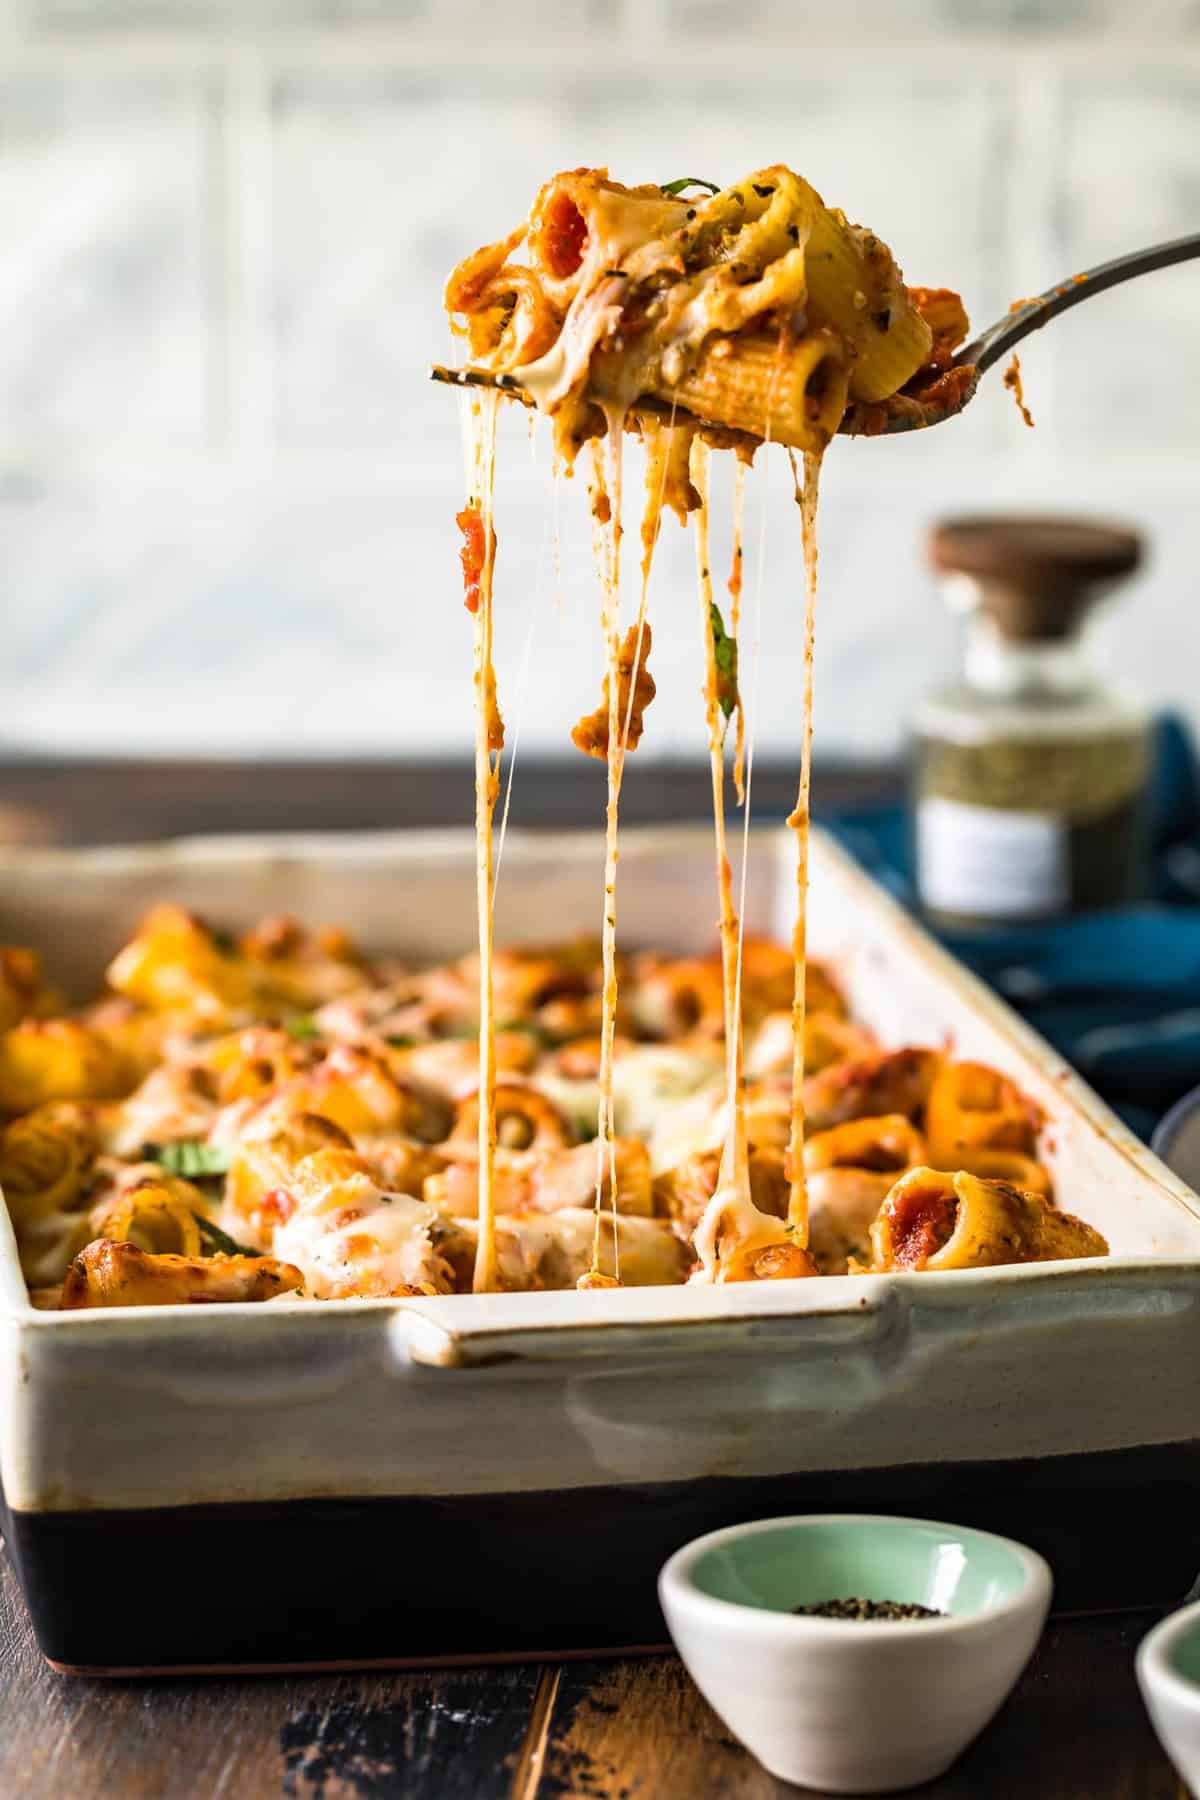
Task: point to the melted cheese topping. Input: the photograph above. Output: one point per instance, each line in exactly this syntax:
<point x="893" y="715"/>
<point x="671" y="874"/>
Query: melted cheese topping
<point x="167" y="1105"/>
<point x="352" y="1239"/>
<point x="557" y="1250"/>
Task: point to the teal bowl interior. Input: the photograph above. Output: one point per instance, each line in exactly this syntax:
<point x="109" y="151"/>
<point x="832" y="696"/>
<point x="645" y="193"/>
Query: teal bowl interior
<point x="1184" y="1654"/>
<point x="946" y="1567"/>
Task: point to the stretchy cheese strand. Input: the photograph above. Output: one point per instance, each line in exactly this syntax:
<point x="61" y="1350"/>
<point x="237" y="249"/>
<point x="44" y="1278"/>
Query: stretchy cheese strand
<point x="806" y="499"/>
<point x="486" y="788"/>
<point x="734" y="1165"/>
<point x="658" y="453"/>
<point x="746" y="795"/>
<point x="734" y="1240"/>
<point x="606" y="517"/>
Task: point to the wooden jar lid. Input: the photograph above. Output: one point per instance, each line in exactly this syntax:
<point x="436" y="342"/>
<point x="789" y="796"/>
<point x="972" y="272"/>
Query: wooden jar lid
<point x="1035" y="573"/>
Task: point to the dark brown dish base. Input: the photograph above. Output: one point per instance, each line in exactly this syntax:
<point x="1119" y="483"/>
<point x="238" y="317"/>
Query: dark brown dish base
<point x="422" y="1581"/>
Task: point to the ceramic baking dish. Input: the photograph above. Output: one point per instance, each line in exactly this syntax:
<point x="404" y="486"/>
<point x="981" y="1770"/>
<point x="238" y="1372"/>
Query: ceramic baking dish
<point x="502" y="1475"/>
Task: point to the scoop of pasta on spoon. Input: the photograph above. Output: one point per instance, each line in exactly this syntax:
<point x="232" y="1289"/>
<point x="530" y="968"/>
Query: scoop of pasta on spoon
<point x="806" y="403"/>
<point x="697" y="320"/>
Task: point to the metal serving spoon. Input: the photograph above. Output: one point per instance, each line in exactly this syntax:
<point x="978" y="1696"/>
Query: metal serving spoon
<point x="978" y="356"/>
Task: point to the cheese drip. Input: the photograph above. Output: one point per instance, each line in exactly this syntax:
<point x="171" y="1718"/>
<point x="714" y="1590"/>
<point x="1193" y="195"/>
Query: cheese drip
<point x="606" y="530"/>
<point x="734" y="1240"/>
<point x="489" y="739"/>
<point x="806" y="500"/>
<point x="735" y="1166"/>
<point x="731" y="1220"/>
<point x="606" y="499"/>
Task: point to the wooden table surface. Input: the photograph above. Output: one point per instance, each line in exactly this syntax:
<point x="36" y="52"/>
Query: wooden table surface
<point x="603" y="1730"/>
<point x="611" y="1730"/>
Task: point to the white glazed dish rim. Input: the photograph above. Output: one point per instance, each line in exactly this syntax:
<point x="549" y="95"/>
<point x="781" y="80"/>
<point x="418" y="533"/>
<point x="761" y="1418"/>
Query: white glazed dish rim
<point x="450" y="1396"/>
<point x="425" y="1324"/>
<point x="677" y="1585"/>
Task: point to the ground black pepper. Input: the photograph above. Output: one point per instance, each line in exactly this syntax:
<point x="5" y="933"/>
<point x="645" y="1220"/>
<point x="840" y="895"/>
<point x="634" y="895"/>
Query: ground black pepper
<point x="858" y="1609"/>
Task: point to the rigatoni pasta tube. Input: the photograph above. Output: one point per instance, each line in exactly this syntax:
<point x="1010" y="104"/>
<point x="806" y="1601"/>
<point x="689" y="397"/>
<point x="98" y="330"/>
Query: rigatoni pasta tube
<point x="160" y="1218"/>
<point x="935" y="1221"/>
<point x="109" y="1273"/>
<point x="1013" y="1166"/>
<point x="851" y="1170"/>
<point x="973" y="1107"/>
<point x="43" y="1160"/>
<point x="886" y="1142"/>
<point x="23" y="988"/>
<point x="42" y="1060"/>
<point x="855" y="287"/>
<point x="792" y="392"/>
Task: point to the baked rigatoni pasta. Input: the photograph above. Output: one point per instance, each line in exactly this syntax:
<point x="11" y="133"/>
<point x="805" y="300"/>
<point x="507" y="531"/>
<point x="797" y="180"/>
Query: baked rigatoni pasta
<point x="290" y="1145"/>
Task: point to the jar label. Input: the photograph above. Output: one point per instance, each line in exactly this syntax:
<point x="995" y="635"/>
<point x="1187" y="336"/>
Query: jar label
<point x="991" y="863"/>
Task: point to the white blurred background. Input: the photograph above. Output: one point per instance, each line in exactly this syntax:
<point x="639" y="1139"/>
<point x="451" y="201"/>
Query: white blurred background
<point x="227" y="488"/>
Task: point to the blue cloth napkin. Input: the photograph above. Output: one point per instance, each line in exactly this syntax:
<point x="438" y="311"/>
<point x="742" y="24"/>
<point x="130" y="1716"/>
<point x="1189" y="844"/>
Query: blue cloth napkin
<point x="1118" y="993"/>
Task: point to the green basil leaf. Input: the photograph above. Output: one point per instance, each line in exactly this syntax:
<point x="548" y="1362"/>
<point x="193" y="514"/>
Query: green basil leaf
<point x="219" y="1241"/>
<point x="725" y="656"/>
<point x="190" y="1158"/>
<point x="677" y="187"/>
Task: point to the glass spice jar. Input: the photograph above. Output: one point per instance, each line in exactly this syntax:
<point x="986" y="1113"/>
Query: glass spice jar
<point x="1030" y="771"/>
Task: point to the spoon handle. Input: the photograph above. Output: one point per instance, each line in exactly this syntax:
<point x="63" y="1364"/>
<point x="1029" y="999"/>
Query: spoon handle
<point x="1031" y="315"/>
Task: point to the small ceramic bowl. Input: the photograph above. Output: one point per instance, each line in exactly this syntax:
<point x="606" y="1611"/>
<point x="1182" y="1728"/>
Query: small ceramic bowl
<point x="1168" y="1669"/>
<point x="847" y="1706"/>
<point x="1177" y="1138"/>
